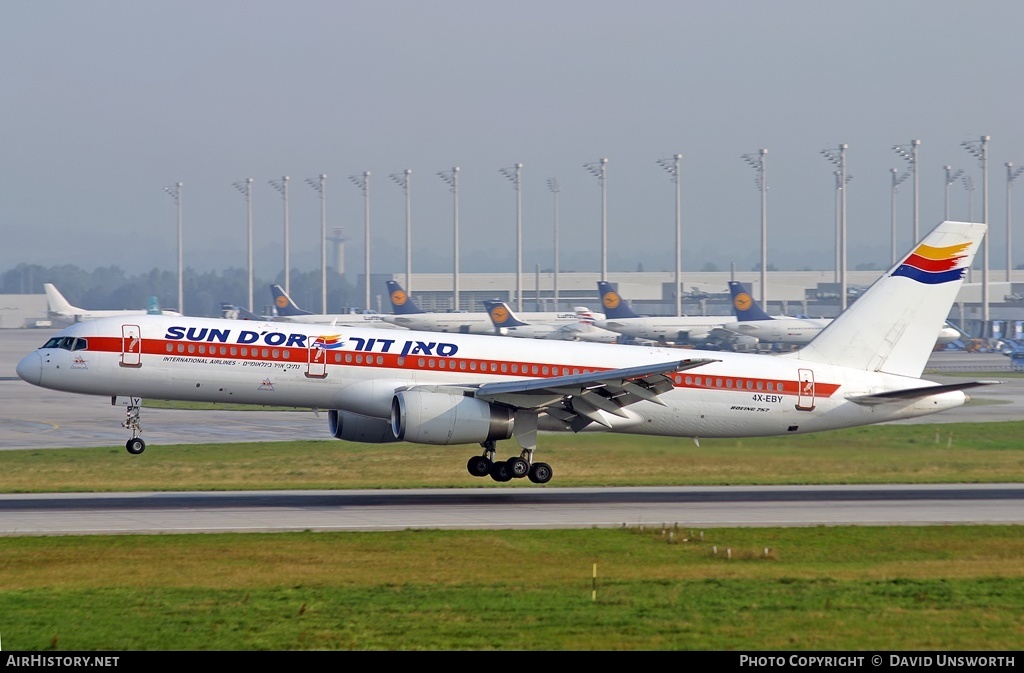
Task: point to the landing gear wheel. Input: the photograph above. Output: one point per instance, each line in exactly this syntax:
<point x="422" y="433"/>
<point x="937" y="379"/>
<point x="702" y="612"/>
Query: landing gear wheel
<point x="517" y="467"/>
<point x="500" y="471"/>
<point x="479" y="466"/>
<point x="135" y="446"/>
<point x="540" y="473"/>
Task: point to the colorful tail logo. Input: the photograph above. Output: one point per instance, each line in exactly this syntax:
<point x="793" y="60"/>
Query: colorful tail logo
<point x="499" y="315"/>
<point x="328" y="342"/>
<point x="933" y="266"/>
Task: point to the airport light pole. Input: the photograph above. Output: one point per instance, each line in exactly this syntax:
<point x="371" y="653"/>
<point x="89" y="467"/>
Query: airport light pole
<point x="515" y="174"/>
<point x="672" y="166"/>
<point x="175" y="193"/>
<point x="246" y="189"/>
<point x="403" y="180"/>
<point x="837" y="157"/>
<point x="599" y="169"/>
<point x="452" y="178"/>
<point x="555" y="189"/>
<point x="320" y="185"/>
<point x="951" y="178"/>
<point x="897" y="179"/>
<point x="362" y="181"/>
<point x="909" y="154"/>
<point x="758" y="162"/>
<point x="282" y="186"/>
<point x="979" y="150"/>
<point x="1012" y="174"/>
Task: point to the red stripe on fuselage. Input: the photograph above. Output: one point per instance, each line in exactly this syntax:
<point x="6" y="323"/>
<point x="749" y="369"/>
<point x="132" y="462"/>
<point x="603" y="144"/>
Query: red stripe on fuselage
<point x="516" y="369"/>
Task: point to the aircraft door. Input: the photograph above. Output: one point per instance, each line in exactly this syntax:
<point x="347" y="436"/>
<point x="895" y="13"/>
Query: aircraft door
<point x="805" y="396"/>
<point x="131" y="346"/>
<point x="316" y="366"/>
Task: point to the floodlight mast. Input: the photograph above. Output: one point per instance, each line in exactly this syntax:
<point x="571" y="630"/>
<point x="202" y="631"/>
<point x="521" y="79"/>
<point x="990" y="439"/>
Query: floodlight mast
<point x="1012" y="173"/>
<point x="951" y="178"/>
<point x="403" y="180"/>
<point x="672" y="166"/>
<point x="599" y="169"/>
<point x="979" y="150"/>
<point x="555" y="189"/>
<point x="320" y="185"/>
<point x="758" y="162"/>
<point x="246" y="189"/>
<point x="909" y="153"/>
<point x="452" y="178"/>
<point x="897" y="179"/>
<point x="175" y="193"/>
<point x="515" y="174"/>
<point x="837" y="157"/>
<point x="362" y="181"/>
<point x="282" y="186"/>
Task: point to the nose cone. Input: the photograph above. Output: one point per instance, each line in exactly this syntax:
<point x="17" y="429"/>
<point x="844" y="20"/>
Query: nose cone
<point x="31" y="368"/>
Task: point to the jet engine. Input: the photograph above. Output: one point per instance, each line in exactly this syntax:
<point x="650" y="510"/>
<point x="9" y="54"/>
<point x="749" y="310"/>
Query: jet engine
<point x="357" y="428"/>
<point x="439" y="418"/>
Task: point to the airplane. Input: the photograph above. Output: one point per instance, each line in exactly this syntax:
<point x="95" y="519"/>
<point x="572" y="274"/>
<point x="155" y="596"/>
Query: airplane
<point x="507" y="324"/>
<point x="232" y="312"/>
<point x="287" y="311"/>
<point x="408" y="314"/>
<point x="752" y="321"/>
<point x="59" y="308"/>
<point x="419" y="387"/>
<point x="621" y="318"/>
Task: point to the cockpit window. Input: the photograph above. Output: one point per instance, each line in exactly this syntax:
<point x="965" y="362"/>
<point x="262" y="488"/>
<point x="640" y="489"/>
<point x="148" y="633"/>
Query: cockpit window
<point x="68" y="343"/>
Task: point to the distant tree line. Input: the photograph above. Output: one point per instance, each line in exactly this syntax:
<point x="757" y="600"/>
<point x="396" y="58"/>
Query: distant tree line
<point x="111" y="288"/>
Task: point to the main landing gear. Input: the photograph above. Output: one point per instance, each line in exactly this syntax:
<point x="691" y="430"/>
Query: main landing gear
<point x="135" y="445"/>
<point x="515" y="467"/>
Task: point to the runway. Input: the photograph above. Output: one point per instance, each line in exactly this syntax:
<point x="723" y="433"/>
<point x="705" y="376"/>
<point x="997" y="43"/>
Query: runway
<point x="684" y="508"/>
<point x="36" y="418"/>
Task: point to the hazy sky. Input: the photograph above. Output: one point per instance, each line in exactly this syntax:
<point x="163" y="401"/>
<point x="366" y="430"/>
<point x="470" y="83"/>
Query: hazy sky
<point x="107" y="102"/>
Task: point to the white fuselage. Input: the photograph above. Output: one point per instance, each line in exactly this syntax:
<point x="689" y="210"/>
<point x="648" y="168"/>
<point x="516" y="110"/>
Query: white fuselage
<point x="359" y="370"/>
<point x="669" y="329"/>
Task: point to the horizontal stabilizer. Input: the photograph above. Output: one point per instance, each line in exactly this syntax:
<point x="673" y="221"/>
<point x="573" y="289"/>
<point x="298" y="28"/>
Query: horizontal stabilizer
<point x="916" y="393"/>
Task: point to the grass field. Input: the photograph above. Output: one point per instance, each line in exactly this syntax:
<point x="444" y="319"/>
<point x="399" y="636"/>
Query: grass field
<point x="821" y="588"/>
<point x="842" y="588"/>
<point x="951" y="453"/>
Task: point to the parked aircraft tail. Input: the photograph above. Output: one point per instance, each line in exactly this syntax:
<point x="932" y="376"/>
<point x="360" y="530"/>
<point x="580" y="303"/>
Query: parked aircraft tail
<point x="56" y="301"/>
<point x="745" y="306"/>
<point x="891" y="328"/>
<point x="401" y="303"/>
<point x="614" y="306"/>
<point x="285" y="306"/>
<point x="502" y="315"/>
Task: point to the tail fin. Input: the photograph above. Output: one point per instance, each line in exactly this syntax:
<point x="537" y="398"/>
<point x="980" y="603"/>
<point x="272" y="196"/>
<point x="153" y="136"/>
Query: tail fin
<point x="285" y="306"/>
<point x="746" y="308"/>
<point x="502" y="315"/>
<point x="56" y="301"/>
<point x="584" y="315"/>
<point x="614" y="306"/>
<point x="154" y="307"/>
<point x="401" y="303"/>
<point x="891" y="328"/>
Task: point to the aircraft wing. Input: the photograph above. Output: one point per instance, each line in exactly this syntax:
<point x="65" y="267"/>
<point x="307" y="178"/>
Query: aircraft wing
<point x="576" y="399"/>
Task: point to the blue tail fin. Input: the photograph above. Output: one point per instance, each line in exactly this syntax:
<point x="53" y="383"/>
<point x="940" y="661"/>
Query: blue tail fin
<point x="502" y="315"/>
<point x="401" y="303"/>
<point x="285" y="306"/>
<point x="154" y="307"/>
<point x="614" y="306"/>
<point x="746" y="308"/>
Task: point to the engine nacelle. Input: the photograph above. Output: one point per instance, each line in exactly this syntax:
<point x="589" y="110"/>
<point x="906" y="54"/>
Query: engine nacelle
<point x="440" y="418"/>
<point x="356" y="428"/>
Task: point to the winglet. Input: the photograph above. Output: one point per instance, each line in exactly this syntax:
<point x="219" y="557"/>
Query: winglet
<point x="615" y="306"/>
<point x="401" y="303"/>
<point x="746" y="307"/>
